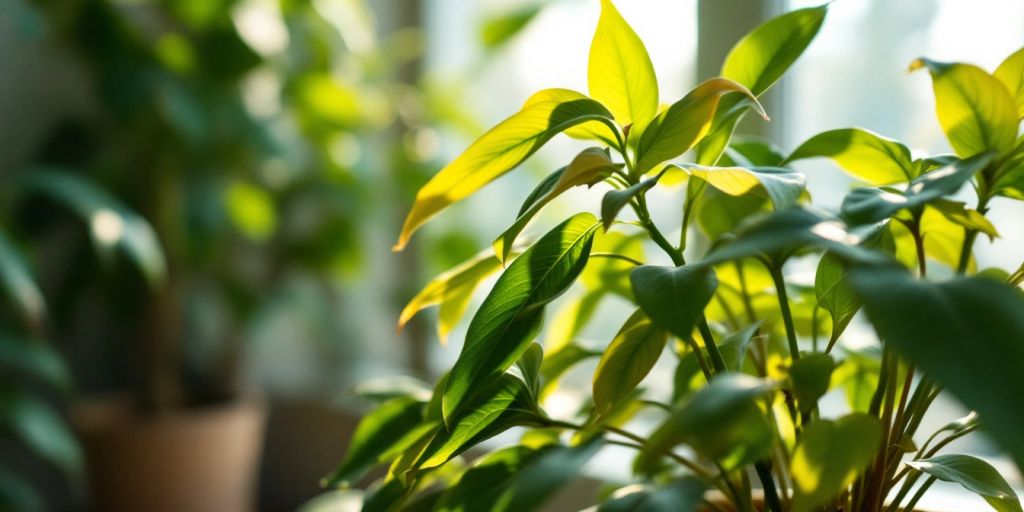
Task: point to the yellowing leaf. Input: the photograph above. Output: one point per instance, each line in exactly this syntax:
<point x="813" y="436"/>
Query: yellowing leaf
<point x="620" y="73"/>
<point x="452" y="290"/>
<point x="679" y="127"/>
<point x="975" y="109"/>
<point x="1011" y="73"/>
<point x="501" y="149"/>
<point x="782" y="186"/>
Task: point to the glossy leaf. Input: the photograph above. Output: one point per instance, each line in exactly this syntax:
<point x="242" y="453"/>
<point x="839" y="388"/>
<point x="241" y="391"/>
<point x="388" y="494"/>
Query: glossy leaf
<point x="762" y="56"/>
<point x="975" y="109"/>
<point x="1011" y="74"/>
<point x="721" y="421"/>
<point x="589" y="167"/>
<point x="680" y="495"/>
<point x="810" y="377"/>
<point x="510" y="315"/>
<point x="380" y="435"/>
<point x="782" y="187"/>
<point x="620" y="74"/>
<point x="869" y="205"/>
<point x="18" y="285"/>
<point x="516" y="478"/>
<point x="973" y="474"/>
<point x="501" y="149"/>
<point x="674" y="297"/>
<point x="679" y="127"/>
<point x="865" y="155"/>
<point x="452" y="290"/>
<point x="826" y="460"/>
<point x="964" y="334"/>
<point x="627" y="360"/>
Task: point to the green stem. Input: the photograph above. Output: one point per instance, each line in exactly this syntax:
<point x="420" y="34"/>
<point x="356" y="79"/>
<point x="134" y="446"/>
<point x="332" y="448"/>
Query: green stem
<point x="787" y="314"/>
<point x="771" y="495"/>
<point x="614" y="256"/>
<point x="969" y="236"/>
<point x="709" y="342"/>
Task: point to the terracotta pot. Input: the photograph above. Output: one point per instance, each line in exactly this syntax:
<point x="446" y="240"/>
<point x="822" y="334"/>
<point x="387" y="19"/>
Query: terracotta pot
<point x="202" y="459"/>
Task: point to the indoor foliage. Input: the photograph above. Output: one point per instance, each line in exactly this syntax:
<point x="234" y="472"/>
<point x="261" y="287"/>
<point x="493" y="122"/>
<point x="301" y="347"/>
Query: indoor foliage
<point x="754" y="349"/>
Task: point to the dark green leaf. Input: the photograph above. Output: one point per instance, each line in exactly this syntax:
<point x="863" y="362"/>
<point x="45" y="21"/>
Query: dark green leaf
<point x="827" y="459"/>
<point x="627" y="360"/>
<point x="614" y="200"/>
<point x="834" y="294"/>
<point x="380" y="435"/>
<point x="511" y="314"/>
<point x="529" y="364"/>
<point x="18" y="285"/>
<point x="810" y="376"/>
<point x="751" y="151"/>
<point x="17" y="495"/>
<point x="964" y="334"/>
<point x="33" y="358"/>
<point x="680" y="495"/>
<point x="975" y="475"/>
<point x="41" y="429"/>
<point x="674" y="297"/>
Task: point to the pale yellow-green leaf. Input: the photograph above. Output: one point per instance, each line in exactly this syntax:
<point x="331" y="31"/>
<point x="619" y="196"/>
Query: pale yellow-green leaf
<point x="975" y="109"/>
<point x="826" y="461"/>
<point x="452" y="290"/>
<point x="763" y="55"/>
<point x="501" y="149"/>
<point x="865" y="155"/>
<point x="627" y="360"/>
<point x="620" y="73"/>
<point x="1011" y="73"/>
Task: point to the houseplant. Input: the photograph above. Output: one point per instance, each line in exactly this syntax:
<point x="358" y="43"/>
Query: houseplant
<point x="755" y="352"/>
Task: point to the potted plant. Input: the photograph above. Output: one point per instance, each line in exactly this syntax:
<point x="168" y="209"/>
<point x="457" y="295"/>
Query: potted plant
<point x="754" y="350"/>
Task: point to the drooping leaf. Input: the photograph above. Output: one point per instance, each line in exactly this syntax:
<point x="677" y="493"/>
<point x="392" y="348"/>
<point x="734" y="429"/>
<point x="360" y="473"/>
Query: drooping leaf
<point x="516" y="478"/>
<point x="620" y="74"/>
<point x="975" y="109"/>
<point x="614" y="200"/>
<point x="975" y="475"/>
<point x="811" y="376"/>
<point x="382" y="434"/>
<point x="627" y="360"/>
<point x="721" y="421"/>
<point x="679" y="127"/>
<point x="958" y="213"/>
<point x="589" y="167"/>
<point x="762" y="56"/>
<point x="674" y="297"/>
<point x="511" y="314"/>
<point x="865" y="155"/>
<point x="965" y="334"/>
<point x="782" y="187"/>
<point x="869" y="205"/>
<point x="111" y="224"/>
<point x="826" y="461"/>
<point x="452" y="290"/>
<point x="18" y="285"/>
<point x="41" y="429"/>
<point x="501" y="149"/>
<point x="680" y="495"/>
<point x="1011" y="74"/>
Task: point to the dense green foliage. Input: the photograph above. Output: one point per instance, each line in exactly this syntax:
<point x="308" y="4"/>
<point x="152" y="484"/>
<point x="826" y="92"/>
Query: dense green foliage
<point x="743" y="334"/>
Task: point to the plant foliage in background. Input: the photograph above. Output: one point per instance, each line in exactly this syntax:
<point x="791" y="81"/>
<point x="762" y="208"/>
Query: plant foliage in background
<point x="754" y="351"/>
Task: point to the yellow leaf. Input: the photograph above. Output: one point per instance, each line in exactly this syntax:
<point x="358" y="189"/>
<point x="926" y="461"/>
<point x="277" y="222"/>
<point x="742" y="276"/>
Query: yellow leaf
<point x="501" y="149"/>
<point x="1011" y="73"/>
<point x="975" y="109"/>
<point x="620" y="72"/>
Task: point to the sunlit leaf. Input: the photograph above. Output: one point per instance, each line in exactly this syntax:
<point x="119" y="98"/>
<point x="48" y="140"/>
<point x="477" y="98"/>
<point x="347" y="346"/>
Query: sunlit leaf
<point x="762" y="56"/>
<point x="865" y="155"/>
<point x="627" y="360"/>
<point x="620" y="74"/>
<point x="497" y="30"/>
<point x="782" y="186"/>
<point x="500" y="150"/>
<point x="1011" y="74"/>
<point x="557" y="363"/>
<point x="973" y="474"/>
<point x="511" y="314"/>
<point x="826" y="461"/>
<point x="975" y="109"/>
<point x="958" y="213"/>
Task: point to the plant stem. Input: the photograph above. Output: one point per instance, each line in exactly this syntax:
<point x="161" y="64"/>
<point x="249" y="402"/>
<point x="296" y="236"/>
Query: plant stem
<point x="970" y="235"/>
<point x="920" y="492"/>
<point x="709" y="342"/>
<point x="771" y="496"/>
<point x="614" y="256"/>
<point x="787" y="315"/>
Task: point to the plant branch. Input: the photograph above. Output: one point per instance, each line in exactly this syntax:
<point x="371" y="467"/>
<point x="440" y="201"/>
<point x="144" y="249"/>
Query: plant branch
<point x="787" y="314"/>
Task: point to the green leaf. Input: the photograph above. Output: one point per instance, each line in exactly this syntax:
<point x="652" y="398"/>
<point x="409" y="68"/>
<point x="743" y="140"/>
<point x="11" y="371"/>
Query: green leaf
<point x="529" y="365"/>
<point x="762" y="56"/>
<point x="679" y="127"/>
<point x="975" y="109"/>
<point x="620" y="73"/>
<point x="500" y="150"/>
<point x="680" y="495"/>
<point x="497" y="30"/>
<point x="722" y="421"/>
<point x="730" y="112"/>
<point x="516" y="478"/>
<point x="751" y="151"/>
<point x="556" y="364"/>
<point x="382" y="389"/>
<point x="869" y="205"/>
<point x="958" y="213"/>
<point x="834" y="294"/>
<point x="111" y="224"/>
<point x="33" y="358"/>
<point x="826" y="461"/>
<point x="865" y="155"/>
<point x="965" y="334"/>
<point x="452" y="290"/>
<point x="18" y="285"/>
<point x="589" y="167"/>
<point x="41" y="429"/>
<point x="381" y="435"/>
<point x="718" y="213"/>
<point x="1011" y="74"/>
<point x="511" y="314"/>
<point x="782" y="186"/>
<point x="674" y="297"/>
<point x="614" y="200"/>
<point x="627" y="360"/>
<point x="975" y="475"/>
<point x="811" y="376"/>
